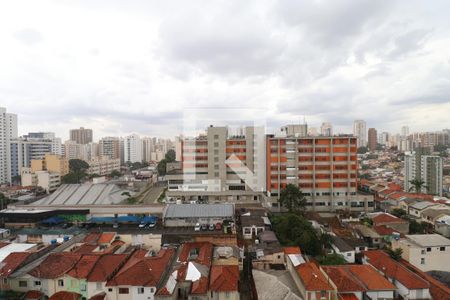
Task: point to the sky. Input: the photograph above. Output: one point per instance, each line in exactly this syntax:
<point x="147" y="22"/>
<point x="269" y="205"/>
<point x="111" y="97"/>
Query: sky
<point x="122" y="67"/>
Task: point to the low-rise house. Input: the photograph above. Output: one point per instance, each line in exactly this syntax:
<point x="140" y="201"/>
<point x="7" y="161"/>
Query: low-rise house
<point x="390" y="221"/>
<point x="340" y="247"/>
<point x="442" y="226"/>
<point x="66" y="295"/>
<point x="425" y="251"/>
<point x="76" y="279"/>
<point x="224" y="282"/>
<point x="408" y="284"/>
<point x="370" y="236"/>
<point x="432" y="214"/>
<point x="268" y="251"/>
<point x="359" y="282"/>
<point x="254" y="221"/>
<point x="416" y="209"/>
<point x="312" y="283"/>
<point x="139" y="277"/>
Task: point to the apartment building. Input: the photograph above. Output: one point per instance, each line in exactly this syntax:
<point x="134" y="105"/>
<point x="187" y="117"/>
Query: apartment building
<point x="103" y="166"/>
<point x="8" y="132"/>
<point x="81" y="135"/>
<point x="217" y="166"/>
<point x="110" y="147"/>
<point x="132" y="148"/>
<point x="57" y="146"/>
<point x="49" y="181"/>
<point x="424" y="167"/>
<point x="326" y="129"/>
<point x="372" y="135"/>
<point x="359" y="130"/>
<point x="52" y="163"/>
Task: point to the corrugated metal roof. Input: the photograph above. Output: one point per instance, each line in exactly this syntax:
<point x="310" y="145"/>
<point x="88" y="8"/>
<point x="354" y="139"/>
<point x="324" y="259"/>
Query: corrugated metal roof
<point x="199" y="210"/>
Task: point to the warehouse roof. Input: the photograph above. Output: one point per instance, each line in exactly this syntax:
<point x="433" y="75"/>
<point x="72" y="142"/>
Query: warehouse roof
<point x="198" y="210"/>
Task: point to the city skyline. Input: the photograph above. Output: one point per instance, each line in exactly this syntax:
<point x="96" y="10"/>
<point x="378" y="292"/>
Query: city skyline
<point x="357" y="61"/>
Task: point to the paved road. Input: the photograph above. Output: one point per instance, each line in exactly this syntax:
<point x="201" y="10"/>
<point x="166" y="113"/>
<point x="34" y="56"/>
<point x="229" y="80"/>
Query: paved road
<point x="152" y="195"/>
<point x="134" y="229"/>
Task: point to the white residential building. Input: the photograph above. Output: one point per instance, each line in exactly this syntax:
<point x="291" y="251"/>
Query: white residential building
<point x="326" y="129"/>
<point x="427" y="168"/>
<point x="360" y="131"/>
<point x="103" y="166"/>
<point x="8" y="131"/>
<point x="133" y="148"/>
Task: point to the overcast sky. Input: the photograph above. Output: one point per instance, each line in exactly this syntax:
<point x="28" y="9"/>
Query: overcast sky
<point x="138" y="66"/>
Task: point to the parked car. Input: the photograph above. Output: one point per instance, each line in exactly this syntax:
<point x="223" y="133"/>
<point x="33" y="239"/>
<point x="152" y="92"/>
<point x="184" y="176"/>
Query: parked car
<point x="151" y="225"/>
<point x="204" y="227"/>
<point x="116" y="225"/>
<point x="197" y="227"/>
<point x="219" y="226"/>
<point x="142" y="225"/>
<point x="211" y="227"/>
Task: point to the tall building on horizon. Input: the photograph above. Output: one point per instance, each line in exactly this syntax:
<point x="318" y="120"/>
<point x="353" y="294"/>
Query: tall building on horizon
<point x="360" y="131"/>
<point x="8" y="132"/>
<point x="372" y="136"/>
<point x="132" y="148"/>
<point x="109" y="147"/>
<point x="428" y="168"/>
<point x="405" y="131"/>
<point x="326" y="129"/>
<point x="81" y="136"/>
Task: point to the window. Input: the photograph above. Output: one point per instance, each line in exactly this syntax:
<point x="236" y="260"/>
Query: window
<point x="423" y="251"/>
<point x="349" y="254"/>
<point x="216" y="144"/>
<point x="23" y="283"/>
<point x="216" y="136"/>
<point x="140" y="290"/>
<point x="98" y="286"/>
<point x="429" y="249"/>
<point x="152" y="290"/>
<point x="422" y="261"/>
<point x="110" y="290"/>
<point x="60" y="282"/>
<point x="5" y="280"/>
<point x="124" y="291"/>
<point x="37" y="283"/>
<point x="83" y="288"/>
<point x="442" y="249"/>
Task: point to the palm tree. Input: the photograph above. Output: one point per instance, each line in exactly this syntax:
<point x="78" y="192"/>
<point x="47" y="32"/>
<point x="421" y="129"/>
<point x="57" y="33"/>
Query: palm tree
<point x="417" y="185"/>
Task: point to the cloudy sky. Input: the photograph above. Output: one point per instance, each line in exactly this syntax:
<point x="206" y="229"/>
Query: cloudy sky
<point x="142" y="66"/>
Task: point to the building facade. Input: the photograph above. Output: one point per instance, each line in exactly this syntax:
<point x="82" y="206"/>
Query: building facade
<point x="372" y="136"/>
<point x="81" y="135"/>
<point x="8" y="132"/>
<point x="428" y="168"/>
<point x="110" y="147"/>
<point x="360" y="131"/>
<point x="103" y="166"/>
<point x="133" y="148"/>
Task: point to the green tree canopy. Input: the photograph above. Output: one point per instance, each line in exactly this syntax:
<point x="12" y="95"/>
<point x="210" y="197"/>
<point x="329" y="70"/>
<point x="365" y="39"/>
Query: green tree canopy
<point x="417" y="185"/>
<point x="399" y="213"/>
<point x="78" y="166"/>
<point x="115" y="173"/>
<point x="293" y="199"/>
<point x="395" y="254"/>
<point x="362" y="150"/>
<point x="332" y="259"/>
<point x="170" y="156"/>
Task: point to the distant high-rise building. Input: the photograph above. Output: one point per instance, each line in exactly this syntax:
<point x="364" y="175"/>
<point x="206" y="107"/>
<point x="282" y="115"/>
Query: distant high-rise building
<point x="8" y="132"/>
<point x="359" y="130"/>
<point x="57" y="146"/>
<point x="81" y="136"/>
<point x="23" y="151"/>
<point x="428" y="168"/>
<point x="147" y="148"/>
<point x="372" y="134"/>
<point x="296" y="130"/>
<point x="326" y="129"/>
<point x="383" y="138"/>
<point x="405" y="131"/>
<point x="109" y="147"/>
<point x="133" y="148"/>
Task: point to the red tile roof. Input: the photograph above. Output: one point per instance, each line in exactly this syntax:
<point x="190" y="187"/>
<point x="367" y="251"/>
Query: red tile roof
<point x="86" y="248"/>
<point x="224" y="278"/>
<point x="312" y="277"/>
<point x="373" y="280"/>
<point x="343" y="279"/>
<point x="3" y="244"/>
<point x="383" y="218"/>
<point x="100" y="296"/>
<point x="106" y="266"/>
<point x="84" y="266"/>
<point x="144" y="271"/>
<point x="383" y="230"/>
<point x="348" y="297"/>
<point x="55" y="265"/>
<point x="292" y="250"/>
<point x="63" y="295"/>
<point x="106" y="237"/>
<point x="92" y="237"/>
<point x="384" y="263"/>
<point x="12" y="262"/>
<point x="31" y="295"/>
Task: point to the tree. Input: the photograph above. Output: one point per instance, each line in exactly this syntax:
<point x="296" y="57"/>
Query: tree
<point x="161" y="167"/>
<point x="170" y="156"/>
<point x="395" y="254"/>
<point x="3" y="201"/>
<point x="294" y="230"/>
<point x="78" y="166"/>
<point x="417" y="228"/>
<point x="115" y="173"/>
<point x="332" y="259"/>
<point x="16" y="179"/>
<point x="293" y="199"/>
<point x="398" y="212"/>
<point x="417" y="185"/>
<point x="362" y="150"/>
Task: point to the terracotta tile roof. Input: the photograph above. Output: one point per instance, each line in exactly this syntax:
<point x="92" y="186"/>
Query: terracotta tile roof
<point x="144" y="271"/>
<point x="86" y="248"/>
<point x="348" y="297"/>
<point x="106" y="266"/>
<point x="55" y="265"/>
<point x="292" y="250"/>
<point x="100" y="296"/>
<point x="64" y="295"/>
<point x="84" y="266"/>
<point x="373" y="280"/>
<point x="12" y="262"/>
<point x="312" y="277"/>
<point x="383" y="230"/>
<point x="438" y="290"/>
<point x="387" y="218"/>
<point x="204" y="254"/>
<point x="92" y="237"/>
<point x="3" y="244"/>
<point x="384" y="263"/>
<point x="31" y="295"/>
<point x="224" y="278"/>
<point x="106" y="237"/>
<point x="343" y="279"/>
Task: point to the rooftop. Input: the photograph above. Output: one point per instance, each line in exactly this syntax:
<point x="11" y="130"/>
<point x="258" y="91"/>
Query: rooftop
<point x="224" y="278"/>
<point x="199" y="210"/>
<point x="428" y="240"/>
<point x="312" y="277"/>
<point x="387" y="218"/>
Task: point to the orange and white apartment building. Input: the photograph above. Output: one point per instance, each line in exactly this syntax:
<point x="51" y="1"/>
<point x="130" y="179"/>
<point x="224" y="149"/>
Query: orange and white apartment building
<point x="254" y="167"/>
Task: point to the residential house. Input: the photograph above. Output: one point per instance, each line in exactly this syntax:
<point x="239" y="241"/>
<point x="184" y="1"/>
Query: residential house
<point x="408" y="284"/>
<point x="442" y="226"/>
<point x="359" y="282"/>
<point x="268" y="251"/>
<point x="430" y="215"/>
<point x="66" y="295"/>
<point x="428" y="252"/>
<point x="370" y="236"/>
<point x="340" y="247"/>
<point x="76" y="279"/>
<point x="253" y="221"/>
<point x="312" y="283"/>
<point x="139" y="277"/>
<point x="224" y="282"/>
<point x="390" y="221"/>
<point x="416" y="209"/>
